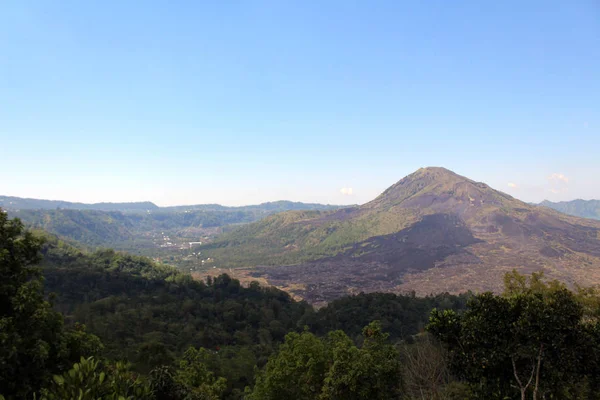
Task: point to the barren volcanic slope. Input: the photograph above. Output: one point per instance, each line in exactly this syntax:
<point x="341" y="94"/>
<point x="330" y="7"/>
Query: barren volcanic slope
<point x="432" y="231"/>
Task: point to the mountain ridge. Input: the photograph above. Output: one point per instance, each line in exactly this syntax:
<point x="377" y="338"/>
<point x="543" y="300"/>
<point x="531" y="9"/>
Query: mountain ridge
<point x="13" y="203"/>
<point x="324" y="254"/>
<point x="578" y="207"/>
<point x="138" y="230"/>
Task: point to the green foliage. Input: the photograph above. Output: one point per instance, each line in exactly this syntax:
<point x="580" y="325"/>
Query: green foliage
<point x="88" y="380"/>
<point x="194" y="374"/>
<point x="33" y="342"/>
<point x="89" y="227"/>
<point x="164" y="385"/>
<point x="307" y="367"/>
<point x="209" y="340"/>
<point x="400" y="315"/>
<point x="149" y="314"/>
<point x="532" y="341"/>
<point x="371" y="372"/>
<point x="297" y="370"/>
<point x="516" y="284"/>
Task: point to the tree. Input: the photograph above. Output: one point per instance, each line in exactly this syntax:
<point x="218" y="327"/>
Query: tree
<point x="194" y="375"/>
<point x="371" y="372"/>
<point x="295" y="372"/>
<point x="88" y="380"/>
<point x="33" y="343"/>
<point x="332" y="368"/>
<point x="530" y="340"/>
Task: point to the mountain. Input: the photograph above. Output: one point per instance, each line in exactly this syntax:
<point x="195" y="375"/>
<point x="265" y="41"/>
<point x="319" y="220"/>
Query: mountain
<point x="88" y="227"/>
<point x="131" y="230"/>
<point x="19" y="203"/>
<point x="433" y="231"/>
<point x="578" y="208"/>
<point x="268" y="207"/>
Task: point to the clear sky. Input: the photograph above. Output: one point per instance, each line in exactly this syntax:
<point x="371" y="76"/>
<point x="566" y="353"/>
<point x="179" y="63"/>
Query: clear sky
<point x="240" y="102"/>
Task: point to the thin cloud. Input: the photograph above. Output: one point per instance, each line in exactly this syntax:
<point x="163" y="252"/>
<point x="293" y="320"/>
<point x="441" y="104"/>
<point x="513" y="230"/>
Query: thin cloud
<point x="512" y="185"/>
<point x="557" y="177"/>
<point x="346" y="191"/>
<point x="557" y="191"/>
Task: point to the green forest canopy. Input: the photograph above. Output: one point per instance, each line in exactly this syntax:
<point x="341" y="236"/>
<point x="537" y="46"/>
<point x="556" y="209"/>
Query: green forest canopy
<point x="120" y="325"/>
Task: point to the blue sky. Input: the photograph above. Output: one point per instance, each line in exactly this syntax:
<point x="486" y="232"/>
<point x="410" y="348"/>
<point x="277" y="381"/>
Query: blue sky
<point x="239" y="102"/>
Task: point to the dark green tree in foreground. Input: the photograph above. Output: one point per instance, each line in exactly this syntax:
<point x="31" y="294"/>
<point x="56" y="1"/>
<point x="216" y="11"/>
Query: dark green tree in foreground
<point x="33" y="342"/>
<point x="533" y="342"/>
<point x="89" y="380"/>
<point x="332" y="368"/>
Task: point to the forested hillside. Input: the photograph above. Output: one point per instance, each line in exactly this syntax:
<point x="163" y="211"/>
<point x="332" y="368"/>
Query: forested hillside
<point x="121" y="325"/>
<point x="137" y="228"/>
<point x="150" y="314"/>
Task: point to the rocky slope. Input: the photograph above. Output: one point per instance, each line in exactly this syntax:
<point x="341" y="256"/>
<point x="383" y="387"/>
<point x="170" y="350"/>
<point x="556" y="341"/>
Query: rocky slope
<point x="432" y="231"/>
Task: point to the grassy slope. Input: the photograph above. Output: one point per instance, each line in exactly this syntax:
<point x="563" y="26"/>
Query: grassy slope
<point x="295" y="237"/>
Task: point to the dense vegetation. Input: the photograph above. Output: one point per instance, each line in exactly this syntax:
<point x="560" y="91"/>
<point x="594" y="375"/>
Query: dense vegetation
<point x="89" y="227"/>
<point x="150" y="314"/>
<point x="34" y="343"/>
<point x="306" y="368"/>
<point x="116" y="229"/>
<point x="132" y="226"/>
<point x="134" y="329"/>
<point x="400" y="316"/>
<point x="539" y="340"/>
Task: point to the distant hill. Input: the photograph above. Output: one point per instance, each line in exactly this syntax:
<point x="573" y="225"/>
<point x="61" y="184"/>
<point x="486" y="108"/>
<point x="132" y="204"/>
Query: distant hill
<point x="19" y="203"/>
<point x="578" y="208"/>
<point x="269" y="207"/>
<point x="130" y="229"/>
<point x="433" y="231"/>
<point x="89" y="227"/>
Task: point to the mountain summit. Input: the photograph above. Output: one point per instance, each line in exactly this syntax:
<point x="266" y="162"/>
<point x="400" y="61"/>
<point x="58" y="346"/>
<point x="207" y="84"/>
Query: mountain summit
<point x="441" y="189"/>
<point x="432" y="231"/>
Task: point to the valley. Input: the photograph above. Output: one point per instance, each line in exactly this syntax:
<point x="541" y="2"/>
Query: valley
<point x="166" y="234"/>
<point x="433" y="231"/>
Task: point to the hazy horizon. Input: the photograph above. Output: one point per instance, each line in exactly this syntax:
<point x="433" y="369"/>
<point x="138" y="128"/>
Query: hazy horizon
<point x="260" y="202"/>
